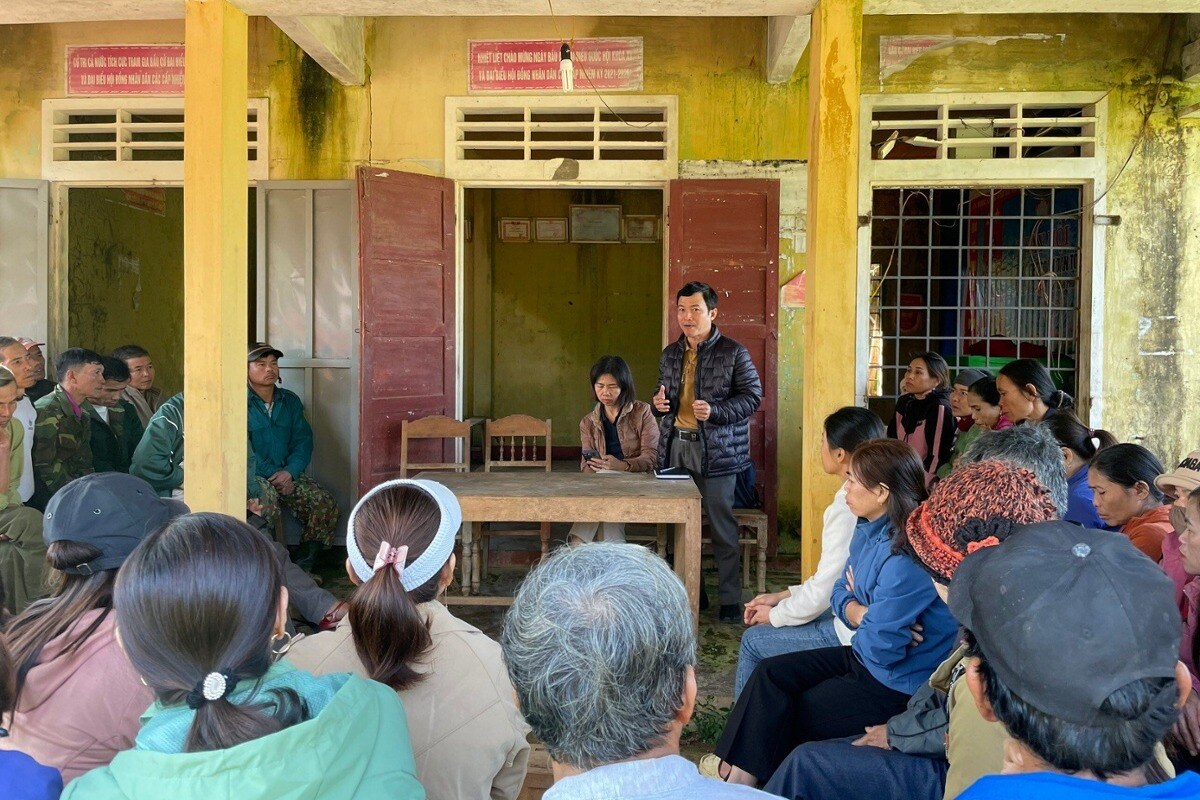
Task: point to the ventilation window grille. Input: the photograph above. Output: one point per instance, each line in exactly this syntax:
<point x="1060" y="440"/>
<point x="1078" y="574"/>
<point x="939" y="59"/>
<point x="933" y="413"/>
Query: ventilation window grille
<point x="520" y="136"/>
<point x="92" y="139"/>
<point x="955" y="131"/>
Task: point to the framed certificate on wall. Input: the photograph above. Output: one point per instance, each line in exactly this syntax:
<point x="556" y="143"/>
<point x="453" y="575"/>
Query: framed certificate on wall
<point x="514" y="229"/>
<point x="642" y="228"/>
<point x="596" y="224"/>
<point x="550" y="229"/>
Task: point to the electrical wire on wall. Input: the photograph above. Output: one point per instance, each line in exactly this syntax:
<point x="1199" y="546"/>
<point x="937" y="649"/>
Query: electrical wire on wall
<point x="882" y="149"/>
<point x="568" y="63"/>
<point x="1143" y="129"/>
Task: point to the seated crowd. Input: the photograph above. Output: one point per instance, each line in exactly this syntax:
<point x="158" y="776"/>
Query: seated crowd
<point x="1007" y="604"/>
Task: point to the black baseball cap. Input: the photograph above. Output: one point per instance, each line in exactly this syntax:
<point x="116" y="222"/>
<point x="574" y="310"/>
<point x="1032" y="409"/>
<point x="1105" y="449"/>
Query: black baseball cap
<point x="1066" y="616"/>
<point x="111" y="511"/>
<point x="260" y="349"/>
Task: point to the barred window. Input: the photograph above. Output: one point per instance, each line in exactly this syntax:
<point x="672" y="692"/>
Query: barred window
<point x="981" y="275"/>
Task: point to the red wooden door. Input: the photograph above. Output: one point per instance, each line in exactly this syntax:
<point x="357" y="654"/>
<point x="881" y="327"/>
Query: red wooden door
<point x="726" y="233"/>
<point x="407" y="335"/>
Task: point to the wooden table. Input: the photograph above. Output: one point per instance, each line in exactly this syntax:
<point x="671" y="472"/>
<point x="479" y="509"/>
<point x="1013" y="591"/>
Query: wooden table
<point x="581" y="497"/>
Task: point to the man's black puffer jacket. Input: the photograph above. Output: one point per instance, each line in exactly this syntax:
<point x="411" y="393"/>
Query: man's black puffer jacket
<point x="727" y="380"/>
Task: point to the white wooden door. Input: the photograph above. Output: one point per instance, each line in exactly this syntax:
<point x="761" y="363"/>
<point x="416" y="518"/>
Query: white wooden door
<point x="24" y="258"/>
<point x="307" y="287"/>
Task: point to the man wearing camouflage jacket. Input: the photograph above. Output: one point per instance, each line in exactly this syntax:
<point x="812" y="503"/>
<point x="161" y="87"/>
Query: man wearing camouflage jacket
<point x="62" y="448"/>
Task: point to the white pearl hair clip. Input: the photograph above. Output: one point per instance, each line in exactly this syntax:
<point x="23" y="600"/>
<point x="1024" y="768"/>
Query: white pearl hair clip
<point x="214" y="686"/>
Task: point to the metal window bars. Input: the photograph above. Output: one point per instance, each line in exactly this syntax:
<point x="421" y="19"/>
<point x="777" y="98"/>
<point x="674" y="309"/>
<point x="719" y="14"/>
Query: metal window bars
<point x="980" y="275"/>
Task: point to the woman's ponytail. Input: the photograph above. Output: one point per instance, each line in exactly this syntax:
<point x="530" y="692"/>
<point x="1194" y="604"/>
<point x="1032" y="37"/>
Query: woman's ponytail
<point x="1061" y="400"/>
<point x="220" y="724"/>
<point x="1027" y="372"/>
<point x="391" y="633"/>
<point x="1077" y="437"/>
<point x="197" y="603"/>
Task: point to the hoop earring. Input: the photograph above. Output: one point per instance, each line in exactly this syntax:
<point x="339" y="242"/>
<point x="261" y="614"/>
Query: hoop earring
<point x="279" y="651"/>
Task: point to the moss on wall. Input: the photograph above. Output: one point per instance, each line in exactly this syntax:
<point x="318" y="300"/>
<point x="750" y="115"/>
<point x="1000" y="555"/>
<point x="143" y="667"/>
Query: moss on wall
<point x="556" y="308"/>
<point x="726" y="108"/>
<point x="1151" y="373"/>
<point x="1148" y="363"/>
<point x="319" y="128"/>
<point x="127" y="278"/>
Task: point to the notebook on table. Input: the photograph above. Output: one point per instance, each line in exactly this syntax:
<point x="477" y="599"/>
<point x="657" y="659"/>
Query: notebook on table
<point x="672" y="474"/>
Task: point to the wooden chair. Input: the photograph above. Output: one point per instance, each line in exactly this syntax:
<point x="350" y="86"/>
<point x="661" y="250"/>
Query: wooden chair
<point x="440" y="427"/>
<point x="436" y="427"/>
<point x="512" y="442"/>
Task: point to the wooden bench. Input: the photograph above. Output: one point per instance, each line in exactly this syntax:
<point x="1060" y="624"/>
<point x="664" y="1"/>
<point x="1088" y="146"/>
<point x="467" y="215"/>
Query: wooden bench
<point x="752" y="532"/>
<point x="753" y="520"/>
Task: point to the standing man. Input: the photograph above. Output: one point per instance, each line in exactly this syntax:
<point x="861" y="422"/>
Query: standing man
<point x="15" y="358"/>
<point x="141" y="392"/>
<point x="708" y="388"/>
<point x="62" y="448"/>
<point x="282" y="441"/>
<point x="116" y="430"/>
<point x="22" y="550"/>
<point x="41" y="385"/>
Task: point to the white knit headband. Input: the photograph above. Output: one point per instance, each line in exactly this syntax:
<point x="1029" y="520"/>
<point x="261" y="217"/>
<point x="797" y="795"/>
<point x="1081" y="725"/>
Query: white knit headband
<point x="435" y="556"/>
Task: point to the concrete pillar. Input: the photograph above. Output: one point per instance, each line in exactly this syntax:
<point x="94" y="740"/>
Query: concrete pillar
<point x="215" y="179"/>
<point x="835" y="81"/>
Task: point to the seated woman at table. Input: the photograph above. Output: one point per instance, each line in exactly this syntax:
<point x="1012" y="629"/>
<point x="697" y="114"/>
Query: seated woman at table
<point x="619" y="434"/>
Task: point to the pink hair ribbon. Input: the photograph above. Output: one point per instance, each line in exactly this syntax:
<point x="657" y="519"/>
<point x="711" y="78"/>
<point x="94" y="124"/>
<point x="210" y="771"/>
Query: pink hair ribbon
<point x="395" y="557"/>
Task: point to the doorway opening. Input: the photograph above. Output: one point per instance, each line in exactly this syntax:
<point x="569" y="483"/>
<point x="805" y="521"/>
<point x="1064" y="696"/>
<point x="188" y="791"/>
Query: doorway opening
<point x="553" y="279"/>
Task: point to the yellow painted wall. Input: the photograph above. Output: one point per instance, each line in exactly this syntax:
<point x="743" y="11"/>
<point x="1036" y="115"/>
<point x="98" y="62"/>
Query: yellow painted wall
<point x="33" y="67"/>
<point x="726" y="109"/>
<point x="557" y="307"/>
<point x="127" y="278"/>
<point x="318" y="127"/>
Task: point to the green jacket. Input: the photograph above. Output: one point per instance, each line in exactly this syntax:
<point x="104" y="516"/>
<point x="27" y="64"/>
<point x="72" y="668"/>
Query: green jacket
<point x="158" y="457"/>
<point x="356" y="747"/>
<point x="281" y="439"/>
<point x="113" y="442"/>
<point x="62" y="449"/>
<point x="962" y="443"/>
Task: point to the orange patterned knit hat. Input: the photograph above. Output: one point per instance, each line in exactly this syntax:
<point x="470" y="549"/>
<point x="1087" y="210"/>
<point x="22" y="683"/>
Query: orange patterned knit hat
<point x="958" y="517"/>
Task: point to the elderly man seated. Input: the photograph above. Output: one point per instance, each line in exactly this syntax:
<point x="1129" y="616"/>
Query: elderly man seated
<point x="601" y="650"/>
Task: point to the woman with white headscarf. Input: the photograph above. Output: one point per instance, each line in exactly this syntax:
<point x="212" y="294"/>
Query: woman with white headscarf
<point x="467" y="734"/>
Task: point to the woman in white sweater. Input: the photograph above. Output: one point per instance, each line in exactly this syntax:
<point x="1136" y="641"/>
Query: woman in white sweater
<point x="800" y="618"/>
